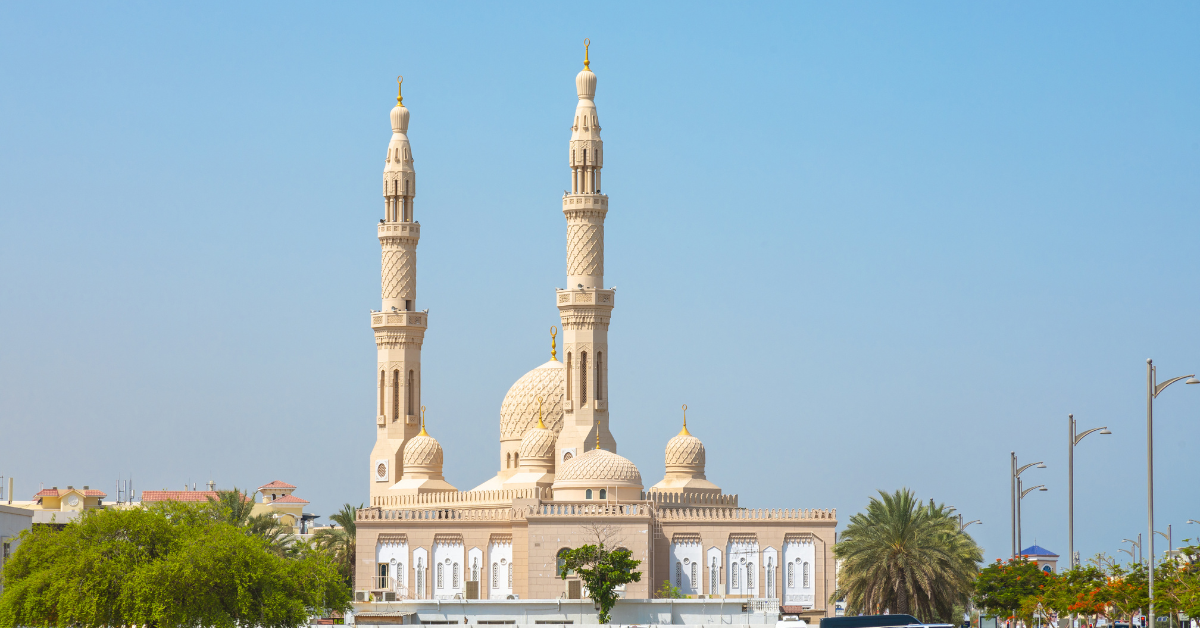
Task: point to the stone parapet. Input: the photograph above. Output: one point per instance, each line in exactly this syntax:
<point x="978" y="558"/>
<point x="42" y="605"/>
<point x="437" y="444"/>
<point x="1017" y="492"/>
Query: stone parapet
<point x="464" y="498"/>
<point x="747" y="514"/>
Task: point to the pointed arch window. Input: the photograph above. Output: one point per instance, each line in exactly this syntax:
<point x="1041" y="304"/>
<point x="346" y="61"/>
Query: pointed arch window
<point x="412" y="380"/>
<point x="382" y="391"/>
<point x="791" y="576"/>
<point x="420" y="577"/>
<point x="695" y="581"/>
<point x="583" y="377"/>
<point x="440" y="582"/>
<point x="679" y="574"/>
<point x="807" y="584"/>
<point x="714" y="573"/>
<point x="749" y="575"/>
<point x="495" y="575"/>
<point x="508" y="461"/>
<point x="569" y="375"/>
<point x="599" y="394"/>
<point x="395" y="394"/>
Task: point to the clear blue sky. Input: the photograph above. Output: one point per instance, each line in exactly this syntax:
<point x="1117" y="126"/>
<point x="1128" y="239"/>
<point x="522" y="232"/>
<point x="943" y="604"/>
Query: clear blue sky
<point x="869" y="245"/>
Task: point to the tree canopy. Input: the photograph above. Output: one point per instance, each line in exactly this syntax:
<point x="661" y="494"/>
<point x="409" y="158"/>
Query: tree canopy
<point x="902" y="556"/>
<point x="601" y="571"/>
<point x="164" y="566"/>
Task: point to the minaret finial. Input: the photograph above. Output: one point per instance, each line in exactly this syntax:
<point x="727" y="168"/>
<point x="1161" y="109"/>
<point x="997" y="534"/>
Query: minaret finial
<point x="553" y="343"/>
<point x="541" y="426"/>
<point x="400" y="91"/>
<point x="684" y="431"/>
<point x="587" y="63"/>
<point x="597" y="433"/>
<point x="423" y="432"/>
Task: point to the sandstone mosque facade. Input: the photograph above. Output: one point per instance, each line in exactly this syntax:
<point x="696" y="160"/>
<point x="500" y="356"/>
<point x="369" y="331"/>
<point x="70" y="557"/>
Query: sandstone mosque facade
<point x="560" y="480"/>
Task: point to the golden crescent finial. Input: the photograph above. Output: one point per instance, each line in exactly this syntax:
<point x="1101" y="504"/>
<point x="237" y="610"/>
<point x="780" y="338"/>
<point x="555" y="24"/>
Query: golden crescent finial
<point x="399" y="90"/>
<point x="541" y="426"/>
<point x="597" y="433"/>
<point x="554" y="343"/>
<point x="587" y="62"/>
<point x="684" y="431"/>
<point x="423" y="432"/>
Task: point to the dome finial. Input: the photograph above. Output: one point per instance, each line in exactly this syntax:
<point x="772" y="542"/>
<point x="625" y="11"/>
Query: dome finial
<point x="400" y="91"/>
<point x="541" y="426"/>
<point x="597" y="433"/>
<point x="684" y="432"/>
<point x="553" y="343"/>
<point x="587" y="63"/>
<point x="423" y="432"/>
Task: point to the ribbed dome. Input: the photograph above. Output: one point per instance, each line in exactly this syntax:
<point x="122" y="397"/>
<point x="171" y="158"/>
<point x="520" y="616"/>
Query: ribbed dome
<point x="585" y="84"/>
<point x="685" y="449"/>
<point x="598" y="464"/>
<point x="519" y="411"/>
<point x="400" y="119"/>
<point x="423" y="450"/>
<point x="538" y="443"/>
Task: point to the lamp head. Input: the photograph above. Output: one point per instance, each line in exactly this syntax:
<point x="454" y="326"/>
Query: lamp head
<point x="1043" y="489"/>
<point x="1041" y="465"/>
<point x="1192" y="380"/>
<point x="1105" y="431"/>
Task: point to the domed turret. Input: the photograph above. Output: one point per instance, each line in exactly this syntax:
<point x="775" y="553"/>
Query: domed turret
<point x="585" y="81"/>
<point x="685" y="464"/>
<point x="422" y="465"/>
<point x="399" y="112"/>
<point x="537" y="396"/>
<point x="598" y="474"/>
<point x="538" y="444"/>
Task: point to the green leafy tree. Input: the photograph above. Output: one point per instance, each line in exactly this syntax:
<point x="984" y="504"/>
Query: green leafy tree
<point x="340" y="542"/>
<point x="601" y="571"/>
<point x="667" y="591"/>
<point x="905" y="557"/>
<point x="1003" y="585"/>
<point x="164" y="566"/>
<point x="236" y="508"/>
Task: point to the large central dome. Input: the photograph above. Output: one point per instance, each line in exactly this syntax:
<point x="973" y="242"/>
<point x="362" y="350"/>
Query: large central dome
<point x="519" y="411"/>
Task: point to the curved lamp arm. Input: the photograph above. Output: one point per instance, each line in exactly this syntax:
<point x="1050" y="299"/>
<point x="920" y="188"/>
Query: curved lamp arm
<point x="1159" y="388"/>
<point x="1102" y="430"/>
<point x="1040" y="465"/>
<point x="1135" y="543"/>
<point x="1030" y="490"/>
<point x="964" y="526"/>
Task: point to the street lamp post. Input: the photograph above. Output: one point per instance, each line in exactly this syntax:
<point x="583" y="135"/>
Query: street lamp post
<point x="1153" y="389"/>
<point x="1022" y="494"/>
<point x="1015" y="472"/>
<point x="963" y="526"/>
<point x="1071" y="485"/>
<point x="1167" y="536"/>
<point x="1138" y="545"/>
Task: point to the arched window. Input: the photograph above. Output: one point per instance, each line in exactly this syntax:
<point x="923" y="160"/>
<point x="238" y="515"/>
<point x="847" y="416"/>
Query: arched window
<point x="733" y="574"/>
<point x="713" y="575"/>
<point x="678" y="574"/>
<point x="455" y="578"/>
<point x="749" y="575"/>
<point x="382" y="572"/>
<point x="395" y="395"/>
<point x="695" y="575"/>
<point x="510" y="575"/>
<point x="569" y="374"/>
<point x="806" y="576"/>
<point x="517" y="459"/>
<point x="770" y="578"/>
<point x="791" y="578"/>
<point x="603" y="493"/>
<point x="474" y="570"/>
<point x="420" y="577"/>
<point x="382" y="390"/>
<point x="562" y="563"/>
<point x="400" y="575"/>
<point x="411" y="386"/>
<point x="507" y="461"/>
<point x="495" y="575"/>
<point x="588" y="494"/>
<point x="599" y="394"/>
<point x="583" y="377"/>
<point x="440" y="582"/>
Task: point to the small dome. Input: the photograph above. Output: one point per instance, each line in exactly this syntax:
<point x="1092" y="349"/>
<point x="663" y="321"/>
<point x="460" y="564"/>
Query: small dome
<point x="598" y="464"/>
<point x="538" y="443"/>
<point x="423" y="450"/>
<point x="585" y="84"/>
<point x="685" y="450"/>
<point x="519" y="411"/>
<point x="399" y="119"/>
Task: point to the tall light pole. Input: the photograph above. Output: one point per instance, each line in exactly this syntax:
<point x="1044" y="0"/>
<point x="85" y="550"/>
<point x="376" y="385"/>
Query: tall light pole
<point x="1153" y="389"/>
<point x="1014" y="473"/>
<point x="963" y="526"/>
<point x="1071" y="485"/>
<point x="1167" y="536"/>
<point x="1022" y="494"/>
<point x="1138" y="545"/>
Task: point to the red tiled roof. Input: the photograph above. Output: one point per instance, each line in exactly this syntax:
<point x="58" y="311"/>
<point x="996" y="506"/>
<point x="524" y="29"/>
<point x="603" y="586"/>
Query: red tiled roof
<point x="177" y="496"/>
<point x="289" y="499"/>
<point x="51" y="492"/>
<point x="276" y="484"/>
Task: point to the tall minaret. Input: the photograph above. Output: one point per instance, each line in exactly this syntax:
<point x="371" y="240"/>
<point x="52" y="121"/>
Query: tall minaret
<point x="399" y="327"/>
<point x="585" y="305"/>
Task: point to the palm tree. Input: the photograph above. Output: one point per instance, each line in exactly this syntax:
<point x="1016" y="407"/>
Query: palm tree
<point x="236" y="508"/>
<point x="904" y="557"/>
<point x="340" y="541"/>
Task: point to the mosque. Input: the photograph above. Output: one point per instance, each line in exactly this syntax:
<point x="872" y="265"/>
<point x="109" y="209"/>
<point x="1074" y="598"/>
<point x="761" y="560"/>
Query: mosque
<point x="560" y="482"/>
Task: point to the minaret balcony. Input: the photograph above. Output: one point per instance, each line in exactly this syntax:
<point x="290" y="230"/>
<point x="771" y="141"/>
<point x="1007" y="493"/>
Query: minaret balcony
<point x="586" y="297"/>
<point x="400" y="229"/>
<point x="399" y="319"/>
<point x="585" y="201"/>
